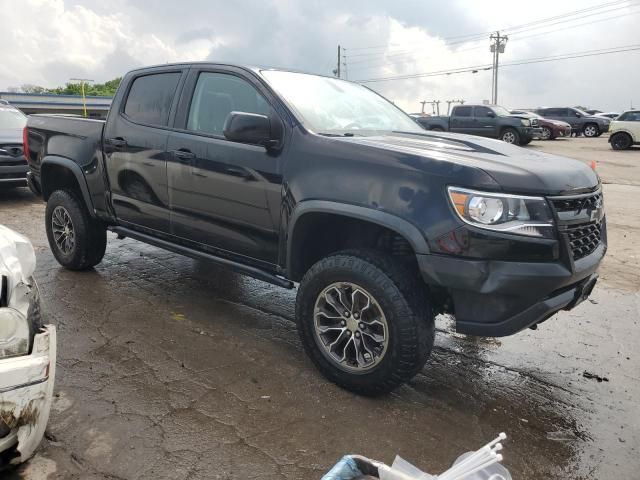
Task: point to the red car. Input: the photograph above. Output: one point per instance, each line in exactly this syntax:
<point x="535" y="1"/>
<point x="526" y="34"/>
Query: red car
<point x="551" y="129"/>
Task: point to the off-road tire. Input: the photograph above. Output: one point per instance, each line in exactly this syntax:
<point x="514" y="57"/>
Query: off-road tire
<point x="510" y="135"/>
<point x="621" y="141"/>
<point x="525" y="142"/>
<point x="90" y="235"/>
<point x="402" y="297"/>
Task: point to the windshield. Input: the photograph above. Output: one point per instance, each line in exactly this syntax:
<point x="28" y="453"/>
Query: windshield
<point x="335" y="107"/>
<point x="501" y="111"/>
<point x="11" y="119"/>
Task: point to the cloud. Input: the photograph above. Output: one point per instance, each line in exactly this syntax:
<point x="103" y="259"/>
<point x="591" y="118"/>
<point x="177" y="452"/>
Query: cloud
<point x="49" y="41"/>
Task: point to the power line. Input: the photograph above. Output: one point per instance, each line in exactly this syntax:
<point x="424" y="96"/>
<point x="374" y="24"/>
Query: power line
<point x="369" y="66"/>
<point x="477" y="68"/>
<point x="583" y="13"/>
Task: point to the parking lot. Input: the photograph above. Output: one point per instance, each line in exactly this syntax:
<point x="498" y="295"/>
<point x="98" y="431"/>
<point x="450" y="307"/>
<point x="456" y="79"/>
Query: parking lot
<point x="171" y="368"/>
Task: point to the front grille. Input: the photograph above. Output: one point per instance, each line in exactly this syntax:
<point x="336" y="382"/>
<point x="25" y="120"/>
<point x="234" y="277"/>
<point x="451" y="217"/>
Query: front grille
<point x="580" y="219"/>
<point x="11" y="150"/>
<point x="584" y="239"/>
<point x="577" y="204"/>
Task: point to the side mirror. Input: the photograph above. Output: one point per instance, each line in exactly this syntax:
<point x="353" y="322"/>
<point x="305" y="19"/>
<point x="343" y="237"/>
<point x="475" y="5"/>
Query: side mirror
<point x="578" y="114"/>
<point x="249" y="128"/>
<point x="491" y="115"/>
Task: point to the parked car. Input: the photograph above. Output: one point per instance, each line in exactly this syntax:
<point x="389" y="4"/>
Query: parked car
<point x="27" y="352"/>
<point x="609" y="115"/>
<point x="485" y="120"/>
<point x="625" y="130"/>
<point x="297" y="178"/>
<point x="581" y="122"/>
<point x="13" y="165"/>
<point x="549" y="129"/>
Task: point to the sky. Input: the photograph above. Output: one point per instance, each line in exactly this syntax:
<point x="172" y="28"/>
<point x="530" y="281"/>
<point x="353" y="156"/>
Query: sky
<point x="47" y="42"/>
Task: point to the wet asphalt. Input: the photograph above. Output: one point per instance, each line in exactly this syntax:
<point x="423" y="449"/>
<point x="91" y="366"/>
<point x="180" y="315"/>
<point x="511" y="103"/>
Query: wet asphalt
<point x="171" y="368"/>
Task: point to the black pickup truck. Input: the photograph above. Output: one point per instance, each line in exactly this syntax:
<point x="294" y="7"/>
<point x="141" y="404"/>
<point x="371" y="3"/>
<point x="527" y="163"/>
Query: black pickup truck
<point x="490" y="121"/>
<point x="315" y="181"/>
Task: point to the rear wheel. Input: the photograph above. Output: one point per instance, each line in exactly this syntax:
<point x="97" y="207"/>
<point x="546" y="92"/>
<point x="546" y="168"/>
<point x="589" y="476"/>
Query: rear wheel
<point x="77" y="241"/>
<point x="621" y="141"/>
<point x="590" y="130"/>
<point x="510" y="135"/>
<point x="364" y="320"/>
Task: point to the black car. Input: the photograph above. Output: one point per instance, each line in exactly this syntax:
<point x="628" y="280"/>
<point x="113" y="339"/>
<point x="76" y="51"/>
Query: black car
<point x="491" y="121"/>
<point x="316" y="182"/>
<point x="13" y="165"/>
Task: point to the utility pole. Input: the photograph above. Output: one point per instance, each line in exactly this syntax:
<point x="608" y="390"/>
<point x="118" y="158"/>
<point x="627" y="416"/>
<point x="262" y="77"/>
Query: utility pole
<point x="423" y="103"/>
<point x="344" y="63"/>
<point x="336" y="72"/>
<point x="497" y="47"/>
<point x="84" y="98"/>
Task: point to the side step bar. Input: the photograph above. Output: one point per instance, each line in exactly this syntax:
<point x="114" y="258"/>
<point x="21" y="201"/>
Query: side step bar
<point x="189" y="252"/>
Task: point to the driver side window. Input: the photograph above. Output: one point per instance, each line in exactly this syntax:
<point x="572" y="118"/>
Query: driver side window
<point x="217" y="95"/>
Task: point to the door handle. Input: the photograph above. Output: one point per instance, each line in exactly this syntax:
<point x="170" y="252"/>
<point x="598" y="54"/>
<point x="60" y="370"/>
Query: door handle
<point x="184" y="155"/>
<point x="116" y="143"/>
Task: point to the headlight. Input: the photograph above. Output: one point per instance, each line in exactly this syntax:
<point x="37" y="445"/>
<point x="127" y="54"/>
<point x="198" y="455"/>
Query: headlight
<point x="503" y="213"/>
<point x="14" y="333"/>
<point x="526" y="123"/>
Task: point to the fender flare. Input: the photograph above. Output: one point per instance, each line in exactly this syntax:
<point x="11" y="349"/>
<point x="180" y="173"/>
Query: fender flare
<point x="74" y="168"/>
<point x="399" y="225"/>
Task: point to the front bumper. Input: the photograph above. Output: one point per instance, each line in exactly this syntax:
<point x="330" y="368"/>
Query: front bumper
<point x="498" y="298"/>
<point x="536" y="132"/>
<point x="26" y="392"/>
<point x="13" y="172"/>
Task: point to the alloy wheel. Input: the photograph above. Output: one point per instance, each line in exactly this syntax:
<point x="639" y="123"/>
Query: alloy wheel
<point x="509" y="137"/>
<point x="546" y="133"/>
<point x="350" y="327"/>
<point x="63" y="231"/>
<point x="590" y="131"/>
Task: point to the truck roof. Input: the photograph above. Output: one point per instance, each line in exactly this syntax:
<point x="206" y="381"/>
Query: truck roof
<point x="252" y="68"/>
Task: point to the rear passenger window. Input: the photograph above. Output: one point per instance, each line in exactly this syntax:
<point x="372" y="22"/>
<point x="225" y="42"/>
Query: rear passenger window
<point x="150" y="98"/>
<point x="217" y="95"/>
<point x="462" y="112"/>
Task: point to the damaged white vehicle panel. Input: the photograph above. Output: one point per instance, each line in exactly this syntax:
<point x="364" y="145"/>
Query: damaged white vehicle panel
<point x="27" y="352"/>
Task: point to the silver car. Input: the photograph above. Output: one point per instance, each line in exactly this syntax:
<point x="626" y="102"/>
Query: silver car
<point x="13" y="165"/>
<point x="27" y="352"/>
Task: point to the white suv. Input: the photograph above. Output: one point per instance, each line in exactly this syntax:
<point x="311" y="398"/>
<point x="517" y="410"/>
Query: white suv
<point x="625" y="130"/>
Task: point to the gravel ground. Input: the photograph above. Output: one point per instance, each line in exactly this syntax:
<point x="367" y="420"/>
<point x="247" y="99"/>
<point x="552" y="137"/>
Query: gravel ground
<point x="170" y="368"/>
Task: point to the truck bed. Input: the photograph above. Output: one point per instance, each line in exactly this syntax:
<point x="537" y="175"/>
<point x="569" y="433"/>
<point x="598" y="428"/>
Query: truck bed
<point x="82" y="138"/>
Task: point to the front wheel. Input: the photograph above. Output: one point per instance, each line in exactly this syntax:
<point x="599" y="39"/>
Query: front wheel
<point x="437" y="129"/>
<point x="77" y="241"/>
<point x="590" y="130"/>
<point x="546" y="134"/>
<point x="365" y="321"/>
<point x="510" y="135"/>
<point x="621" y="141"/>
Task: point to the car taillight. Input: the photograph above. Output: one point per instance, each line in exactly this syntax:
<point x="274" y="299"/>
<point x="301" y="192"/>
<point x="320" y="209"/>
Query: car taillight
<point x="25" y="143"/>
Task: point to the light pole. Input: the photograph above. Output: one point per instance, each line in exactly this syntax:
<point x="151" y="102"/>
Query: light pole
<point x="84" y="98"/>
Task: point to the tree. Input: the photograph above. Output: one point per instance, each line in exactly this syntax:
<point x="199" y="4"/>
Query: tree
<point x="106" y="89"/>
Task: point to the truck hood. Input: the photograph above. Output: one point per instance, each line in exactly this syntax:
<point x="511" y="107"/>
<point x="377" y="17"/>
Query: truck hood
<point x="11" y="135"/>
<point x="514" y="169"/>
